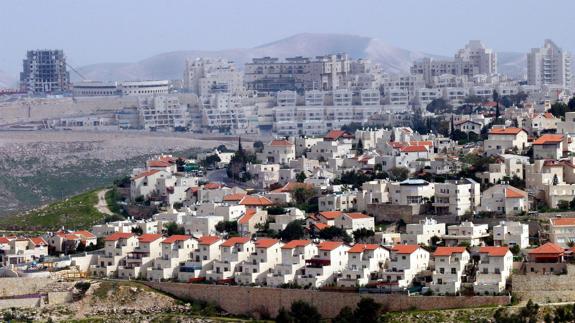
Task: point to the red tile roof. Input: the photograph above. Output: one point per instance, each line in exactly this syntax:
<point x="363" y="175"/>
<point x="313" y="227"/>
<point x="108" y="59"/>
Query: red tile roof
<point x="175" y="238"/>
<point x="38" y="241"/>
<point x="145" y="174"/>
<point x="548" y="139"/>
<point x="563" y="221"/>
<point x="292" y="186"/>
<point x="212" y="186"/>
<point x="548" y="248"/>
<point x="514" y="193"/>
<point x="494" y="251"/>
<point x="158" y="163"/>
<point x="413" y="149"/>
<point x="329" y="245"/>
<point x="331" y="215"/>
<point x="320" y="226"/>
<point x="149" y="237"/>
<point x="336" y="134"/>
<point x="505" y="131"/>
<point x="4" y="240"/>
<point x="245" y="219"/>
<point x="84" y="234"/>
<point x="360" y="247"/>
<point x="404" y="249"/>
<point x="252" y="200"/>
<point x="208" y="240"/>
<point x="235" y="197"/>
<point x="357" y="215"/>
<point x="421" y="143"/>
<point x="118" y="235"/>
<point x="281" y="143"/>
<point x="296" y="243"/>
<point x="235" y="240"/>
<point x="266" y="243"/>
<point x="448" y="251"/>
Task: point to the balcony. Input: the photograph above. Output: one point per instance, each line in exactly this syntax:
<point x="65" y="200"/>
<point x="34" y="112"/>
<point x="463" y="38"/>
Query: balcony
<point x="317" y="263"/>
<point x="189" y="269"/>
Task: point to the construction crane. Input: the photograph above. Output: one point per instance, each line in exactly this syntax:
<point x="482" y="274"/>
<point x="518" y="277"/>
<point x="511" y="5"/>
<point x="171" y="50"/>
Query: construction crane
<point x="75" y="71"/>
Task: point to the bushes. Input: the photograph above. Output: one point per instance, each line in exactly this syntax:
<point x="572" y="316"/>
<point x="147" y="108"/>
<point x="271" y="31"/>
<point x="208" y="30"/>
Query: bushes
<point x="300" y="312"/>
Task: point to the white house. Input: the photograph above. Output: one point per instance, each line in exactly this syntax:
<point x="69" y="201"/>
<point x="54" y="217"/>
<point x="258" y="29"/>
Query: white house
<point x="450" y="264"/>
<point x="294" y="256"/>
<point x="255" y="269"/>
<point x="406" y="261"/>
<point x="232" y="252"/>
<point x="509" y="233"/>
<point x="321" y="269"/>
<point x="176" y="250"/>
<point x="355" y="221"/>
<point x="363" y="261"/>
<point x="504" y="199"/>
<point x="137" y="261"/>
<point x="495" y="267"/>
<point x="201" y="260"/>
<point x="466" y="233"/>
<point x="422" y="232"/>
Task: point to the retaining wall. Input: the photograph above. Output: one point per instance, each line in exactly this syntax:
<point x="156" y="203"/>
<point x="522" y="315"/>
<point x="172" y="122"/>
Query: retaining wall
<point x="252" y="300"/>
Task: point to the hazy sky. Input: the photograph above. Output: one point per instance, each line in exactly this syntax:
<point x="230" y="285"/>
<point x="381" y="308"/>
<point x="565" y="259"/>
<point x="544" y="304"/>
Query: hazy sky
<point x="96" y="31"/>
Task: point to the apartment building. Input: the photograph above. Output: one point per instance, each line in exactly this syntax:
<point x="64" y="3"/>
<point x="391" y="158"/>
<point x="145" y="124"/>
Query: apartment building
<point x="562" y="231"/>
<point x="278" y="151"/>
<point x="355" y="221"/>
<point x="232" y="252"/>
<point x="136" y="263"/>
<point x="365" y="262"/>
<point x="322" y="268"/>
<point x="510" y="233"/>
<point x="549" y="146"/>
<point x="495" y="267"/>
<point x="23" y="251"/>
<point x="202" y="259"/>
<point x="450" y="263"/>
<point x="466" y="233"/>
<point x="406" y="262"/>
<point x="504" y="199"/>
<point x="457" y="197"/>
<point x="162" y="112"/>
<point x="117" y="246"/>
<point x="483" y="58"/>
<point x="411" y="191"/>
<point x="501" y="140"/>
<point x="293" y="259"/>
<point x="422" y="232"/>
<point x="176" y="250"/>
<point x="205" y="76"/>
<point x="45" y="72"/>
<point x="255" y="269"/>
<point x="549" y="65"/>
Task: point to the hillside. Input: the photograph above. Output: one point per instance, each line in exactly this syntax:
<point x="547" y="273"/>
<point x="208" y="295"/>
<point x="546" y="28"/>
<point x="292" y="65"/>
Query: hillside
<point x="7" y="80"/>
<point x="171" y="65"/>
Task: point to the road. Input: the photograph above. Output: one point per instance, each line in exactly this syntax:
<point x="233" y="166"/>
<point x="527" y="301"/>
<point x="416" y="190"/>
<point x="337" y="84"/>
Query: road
<point x="102" y="205"/>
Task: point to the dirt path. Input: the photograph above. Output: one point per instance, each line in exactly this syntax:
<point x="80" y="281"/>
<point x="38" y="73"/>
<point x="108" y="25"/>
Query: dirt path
<point x="102" y="206"/>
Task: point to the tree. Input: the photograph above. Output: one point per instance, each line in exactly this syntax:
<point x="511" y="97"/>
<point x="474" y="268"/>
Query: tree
<point x="302" y="195"/>
<point x="137" y="231"/>
<point x="452" y="131"/>
<point x="367" y="310"/>
<point x="334" y="233"/>
<point x="172" y="228"/>
<point x="302" y="312"/>
<point x="230" y="227"/>
<point x="398" y="173"/>
<point x="345" y="316"/>
<point x="515" y="250"/>
<point x="211" y="160"/>
<point x="563" y="205"/>
<point x="300" y="177"/>
<point x="284" y="316"/>
<point x="555" y="180"/>
<point x="495" y="96"/>
<point x="361" y="235"/>
<point x="258" y="146"/>
<point x="439" y="106"/>
<point x="359" y="147"/>
<point x="293" y="231"/>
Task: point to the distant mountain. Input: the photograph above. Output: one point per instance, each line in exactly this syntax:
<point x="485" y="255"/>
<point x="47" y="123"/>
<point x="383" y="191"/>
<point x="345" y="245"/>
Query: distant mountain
<point x="7" y="80"/>
<point x="171" y="65"/>
<point x="513" y="64"/>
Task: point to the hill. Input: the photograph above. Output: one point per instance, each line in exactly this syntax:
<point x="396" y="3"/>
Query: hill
<point x="6" y="80"/>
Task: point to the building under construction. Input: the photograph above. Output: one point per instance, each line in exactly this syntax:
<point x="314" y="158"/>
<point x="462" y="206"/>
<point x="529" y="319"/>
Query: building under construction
<point x="44" y="72"/>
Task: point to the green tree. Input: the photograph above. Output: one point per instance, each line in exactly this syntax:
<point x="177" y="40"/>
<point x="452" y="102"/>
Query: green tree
<point x="172" y="228"/>
<point x="563" y="205"/>
<point x="230" y="227"/>
<point x="293" y="231"/>
<point x="345" y="316"/>
<point x="361" y="235"/>
<point x="515" y="250"/>
<point x="335" y="233"/>
<point x="439" y="106"/>
<point x="398" y="173"/>
<point x="367" y="310"/>
<point x="301" y="177"/>
<point x="137" y="231"/>
<point x="258" y="146"/>
<point x="211" y="160"/>
<point x="302" y="312"/>
<point x="302" y="195"/>
<point x="359" y="147"/>
<point x="284" y="316"/>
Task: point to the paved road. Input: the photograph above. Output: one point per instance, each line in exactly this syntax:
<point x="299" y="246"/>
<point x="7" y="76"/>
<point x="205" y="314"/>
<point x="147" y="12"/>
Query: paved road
<point x="102" y="206"/>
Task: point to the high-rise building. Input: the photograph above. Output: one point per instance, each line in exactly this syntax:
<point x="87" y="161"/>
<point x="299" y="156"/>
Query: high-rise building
<point x="485" y="59"/>
<point x="44" y="72"/>
<point x="205" y="76"/>
<point x="549" y="65"/>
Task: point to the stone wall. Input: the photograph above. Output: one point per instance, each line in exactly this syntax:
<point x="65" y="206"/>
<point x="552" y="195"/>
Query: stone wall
<point x="392" y="213"/>
<point x="20" y="302"/>
<point x="250" y="300"/>
<point x="22" y="286"/>
<point x="546" y="288"/>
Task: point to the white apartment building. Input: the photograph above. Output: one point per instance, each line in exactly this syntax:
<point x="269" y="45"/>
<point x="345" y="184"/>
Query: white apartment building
<point x="509" y="233"/>
<point x="355" y="221"/>
<point x="495" y="267"/>
<point x="205" y="76"/>
<point x="457" y="197"/>
<point x="406" y="262"/>
<point x="202" y="259"/>
<point x="255" y="269"/>
<point x="372" y="192"/>
<point x="483" y="58"/>
<point x="116" y="248"/>
<point x="450" y="265"/>
<point x="422" y="232"/>
<point x="293" y="259"/>
<point x="562" y="231"/>
<point x="137" y="262"/>
<point x="466" y="233"/>
<point x="364" y="260"/>
<point x="502" y="139"/>
<point x="411" y="191"/>
<point x="338" y="201"/>
<point x="176" y="250"/>
<point x="549" y="65"/>
<point x="278" y="151"/>
<point x="232" y="252"/>
<point x="162" y="113"/>
<point x="504" y="199"/>
<point x="322" y="268"/>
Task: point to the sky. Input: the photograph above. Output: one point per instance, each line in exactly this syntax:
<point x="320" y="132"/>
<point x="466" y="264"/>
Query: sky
<point x="98" y="31"/>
